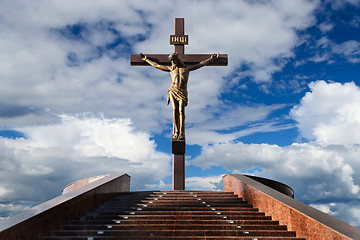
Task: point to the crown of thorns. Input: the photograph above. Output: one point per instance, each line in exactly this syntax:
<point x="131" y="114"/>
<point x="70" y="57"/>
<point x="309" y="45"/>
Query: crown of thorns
<point x="173" y="56"/>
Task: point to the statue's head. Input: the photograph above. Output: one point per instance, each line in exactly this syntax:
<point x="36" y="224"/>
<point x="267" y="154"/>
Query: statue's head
<point x="174" y="57"/>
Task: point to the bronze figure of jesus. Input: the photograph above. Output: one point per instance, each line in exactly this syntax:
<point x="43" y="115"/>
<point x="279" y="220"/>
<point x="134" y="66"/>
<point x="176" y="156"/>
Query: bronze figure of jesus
<point x="177" y="93"/>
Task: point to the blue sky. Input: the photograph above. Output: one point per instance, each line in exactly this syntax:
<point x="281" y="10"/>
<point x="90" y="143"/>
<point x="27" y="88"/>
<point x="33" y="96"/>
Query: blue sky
<point x="285" y="108"/>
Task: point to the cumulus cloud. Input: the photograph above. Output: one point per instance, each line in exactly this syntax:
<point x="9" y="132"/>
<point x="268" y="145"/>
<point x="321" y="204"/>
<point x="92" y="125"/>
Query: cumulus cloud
<point x="319" y="171"/>
<point x="56" y="58"/>
<point x="254" y="34"/>
<point x="208" y="183"/>
<point x="329" y="114"/>
<point x="77" y="147"/>
<point x="324" y="172"/>
<point x="161" y="185"/>
<point x="72" y="57"/>
<point x="11" y="209"/>
<point x="348" y="212"/>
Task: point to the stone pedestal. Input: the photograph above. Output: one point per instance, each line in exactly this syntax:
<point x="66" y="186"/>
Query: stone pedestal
<point x="178" y="150"/>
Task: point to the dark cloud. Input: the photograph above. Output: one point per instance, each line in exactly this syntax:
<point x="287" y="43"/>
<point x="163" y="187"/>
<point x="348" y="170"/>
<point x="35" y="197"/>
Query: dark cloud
<point x="11" y="111"/>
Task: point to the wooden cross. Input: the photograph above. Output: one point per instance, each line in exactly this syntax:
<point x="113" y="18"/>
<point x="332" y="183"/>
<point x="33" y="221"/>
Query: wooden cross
<point x="179" y="40"/>
<point x="188" y="59"/>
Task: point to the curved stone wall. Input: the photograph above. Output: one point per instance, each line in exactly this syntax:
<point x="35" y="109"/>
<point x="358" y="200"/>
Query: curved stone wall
<point x="278" y="186"/>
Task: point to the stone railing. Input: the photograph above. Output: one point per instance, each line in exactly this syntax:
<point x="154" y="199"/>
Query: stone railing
<point x="308" y="222"/>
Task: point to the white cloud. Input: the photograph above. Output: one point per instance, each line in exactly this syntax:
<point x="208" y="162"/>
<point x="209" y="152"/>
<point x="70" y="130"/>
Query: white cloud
<point x="204" y="137"/>
<point x="314" y="171"/>
<point x="326" y="27"/>
<point x="328" y="50"/>
<point x="324" y="207"/>
<point x="329" y="114"/>
<point x="319" y="171"/>
<point x="46" y="69"/>
<point x="349" y="49"/>
<point x="76" y="148"/>
<point x="235" y="115"/>
<point x="347" y="211"/>
<point x="208" y="183"/>
<point x="161" y="186"/>
<point x="252" y="119"/>
<point x="36" y="74"/>
<point x="12" y="209"/>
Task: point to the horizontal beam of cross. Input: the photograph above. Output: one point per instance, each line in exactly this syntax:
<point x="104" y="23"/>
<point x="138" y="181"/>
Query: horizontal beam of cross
<point x="188" y="59"/>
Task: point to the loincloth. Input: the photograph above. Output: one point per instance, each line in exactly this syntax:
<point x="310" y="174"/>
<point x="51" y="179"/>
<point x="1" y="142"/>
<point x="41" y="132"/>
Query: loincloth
<point x="179" y="94"/>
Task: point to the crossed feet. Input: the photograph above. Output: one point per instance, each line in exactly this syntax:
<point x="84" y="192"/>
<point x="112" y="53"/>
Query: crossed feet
<point x="177" y="136"/>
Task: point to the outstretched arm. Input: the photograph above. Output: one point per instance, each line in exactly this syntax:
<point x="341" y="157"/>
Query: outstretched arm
<point x="154" y="64"/>
<point x="205" y="62"/>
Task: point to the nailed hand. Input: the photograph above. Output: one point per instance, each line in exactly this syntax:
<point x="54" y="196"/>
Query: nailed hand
<point x="215" y="55"/>
<point x="143" y="56"/>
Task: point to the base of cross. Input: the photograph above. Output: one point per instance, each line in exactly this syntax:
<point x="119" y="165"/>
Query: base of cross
<point x="178" y="150"/>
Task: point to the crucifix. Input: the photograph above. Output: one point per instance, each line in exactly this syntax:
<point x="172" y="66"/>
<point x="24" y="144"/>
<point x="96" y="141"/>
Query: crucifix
<point x="179" y="65"/>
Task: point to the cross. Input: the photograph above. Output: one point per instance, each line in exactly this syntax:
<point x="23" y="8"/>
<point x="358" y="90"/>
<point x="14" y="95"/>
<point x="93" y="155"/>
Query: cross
<point x="188" y="59"/>
<point x="181" y="64"/>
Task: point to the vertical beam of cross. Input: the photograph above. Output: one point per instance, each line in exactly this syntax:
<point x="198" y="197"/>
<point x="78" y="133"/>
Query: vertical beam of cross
<point x="179" y="31"/>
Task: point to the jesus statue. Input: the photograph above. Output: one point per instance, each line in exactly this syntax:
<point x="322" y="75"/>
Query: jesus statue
<point x="177" y="93"/>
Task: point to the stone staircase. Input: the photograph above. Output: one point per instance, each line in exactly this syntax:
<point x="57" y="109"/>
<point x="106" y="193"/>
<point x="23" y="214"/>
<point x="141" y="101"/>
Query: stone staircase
<point x="174" y="215"/>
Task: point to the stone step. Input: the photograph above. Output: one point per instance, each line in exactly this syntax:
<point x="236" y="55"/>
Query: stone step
<point x="174" y="215"/>
<point x="192" y="196"/>
<point x="177" y="199"/>
<point x="190" y="203"/>
<point x="180" y="217"/>
<point x="224" y="226"/>
<point x="177" y="208"/>
<point x="185" y="192"/>
<point x="187" y="232"/>
<point x="229" y="199"/>
<point x="190" y="199"/>
<point x="168" y="237"/>
<point x="179" y="205"/>
<point x="172" y="221"/>
<point x="172" y="195"/>
<point x="180" y="212"/>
